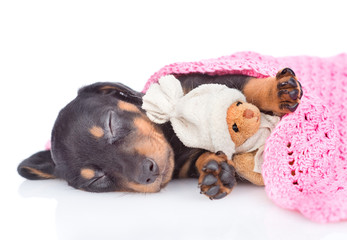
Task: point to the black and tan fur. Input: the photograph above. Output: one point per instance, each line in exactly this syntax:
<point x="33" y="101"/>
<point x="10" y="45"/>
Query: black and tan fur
<point x="103" y="141"/>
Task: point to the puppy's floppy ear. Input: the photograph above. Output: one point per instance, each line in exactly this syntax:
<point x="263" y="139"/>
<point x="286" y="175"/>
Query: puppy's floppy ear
<point x="38" y="166"/>
<point x="118" y="90"/>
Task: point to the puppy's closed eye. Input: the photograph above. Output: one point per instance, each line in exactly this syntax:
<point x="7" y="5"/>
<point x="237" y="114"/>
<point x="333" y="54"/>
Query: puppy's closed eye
<point x="115" y="131"/>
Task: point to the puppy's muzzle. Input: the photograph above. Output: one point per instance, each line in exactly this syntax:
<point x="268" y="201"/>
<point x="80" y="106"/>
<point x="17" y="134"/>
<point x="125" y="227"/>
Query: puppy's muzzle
<point x="149" y="171"/>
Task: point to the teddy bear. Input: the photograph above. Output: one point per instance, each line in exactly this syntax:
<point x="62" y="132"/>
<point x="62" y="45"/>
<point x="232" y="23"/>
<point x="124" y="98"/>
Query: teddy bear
<point x="215" y="118"/>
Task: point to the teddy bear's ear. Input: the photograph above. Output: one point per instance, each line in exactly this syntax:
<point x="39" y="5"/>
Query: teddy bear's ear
<point x="118" y="90"/>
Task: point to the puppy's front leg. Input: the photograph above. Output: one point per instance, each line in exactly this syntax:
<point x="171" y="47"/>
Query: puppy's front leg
<point x="280" y="94"/>
<point x="217" y="175"/>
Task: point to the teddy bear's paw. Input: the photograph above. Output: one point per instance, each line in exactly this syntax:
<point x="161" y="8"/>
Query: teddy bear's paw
<point x="289" y="91"/>
<point x="217" y="177"/>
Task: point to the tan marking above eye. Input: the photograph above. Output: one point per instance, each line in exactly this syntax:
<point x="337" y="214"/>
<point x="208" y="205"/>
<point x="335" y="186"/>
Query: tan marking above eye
<point x="87" y="173"/>
<point x="97" y="131"/>
<point x="128" y="107"/>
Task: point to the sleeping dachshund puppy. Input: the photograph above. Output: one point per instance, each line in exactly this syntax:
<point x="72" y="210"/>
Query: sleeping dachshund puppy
<point x="102" y="141"/>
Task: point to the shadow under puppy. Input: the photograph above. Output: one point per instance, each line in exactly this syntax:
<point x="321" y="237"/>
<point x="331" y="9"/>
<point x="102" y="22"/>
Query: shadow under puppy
<point x="103" y="141"/>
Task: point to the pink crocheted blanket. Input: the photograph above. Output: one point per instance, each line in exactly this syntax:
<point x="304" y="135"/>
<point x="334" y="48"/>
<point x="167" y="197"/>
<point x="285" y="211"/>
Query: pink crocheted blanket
<point x="305" y="165"/>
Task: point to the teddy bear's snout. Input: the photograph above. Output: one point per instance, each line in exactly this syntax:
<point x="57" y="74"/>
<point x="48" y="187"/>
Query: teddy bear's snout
<point x="248" y="114"/>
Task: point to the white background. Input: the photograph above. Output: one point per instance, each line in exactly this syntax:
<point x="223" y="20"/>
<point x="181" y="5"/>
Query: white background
<point x="48" y="49"/>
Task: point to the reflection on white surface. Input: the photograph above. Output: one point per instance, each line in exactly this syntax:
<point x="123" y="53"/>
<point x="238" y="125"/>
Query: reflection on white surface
<point x="177" y="212"/>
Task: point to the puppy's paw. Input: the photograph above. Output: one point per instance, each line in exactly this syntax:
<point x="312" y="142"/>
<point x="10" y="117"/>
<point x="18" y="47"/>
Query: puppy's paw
<point x="289" y="91"/>
<point x="217" y="176"/>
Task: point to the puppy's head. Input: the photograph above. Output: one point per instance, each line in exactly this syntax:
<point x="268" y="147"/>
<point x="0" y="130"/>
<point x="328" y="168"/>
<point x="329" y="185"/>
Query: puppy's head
<point x="103" y="141"/>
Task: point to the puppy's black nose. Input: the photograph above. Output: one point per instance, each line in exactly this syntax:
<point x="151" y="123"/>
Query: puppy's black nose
<point x="149" y="173"/>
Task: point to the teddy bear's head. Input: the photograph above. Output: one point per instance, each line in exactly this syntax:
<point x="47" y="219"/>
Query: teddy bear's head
<point x="243" y="121"/>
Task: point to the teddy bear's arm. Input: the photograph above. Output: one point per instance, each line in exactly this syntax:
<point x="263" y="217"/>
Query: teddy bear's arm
<point x="244" y="165"/>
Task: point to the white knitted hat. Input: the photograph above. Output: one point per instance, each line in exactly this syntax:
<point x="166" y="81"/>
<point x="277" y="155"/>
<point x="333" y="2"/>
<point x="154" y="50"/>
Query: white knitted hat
<point x="199" y="117"/>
